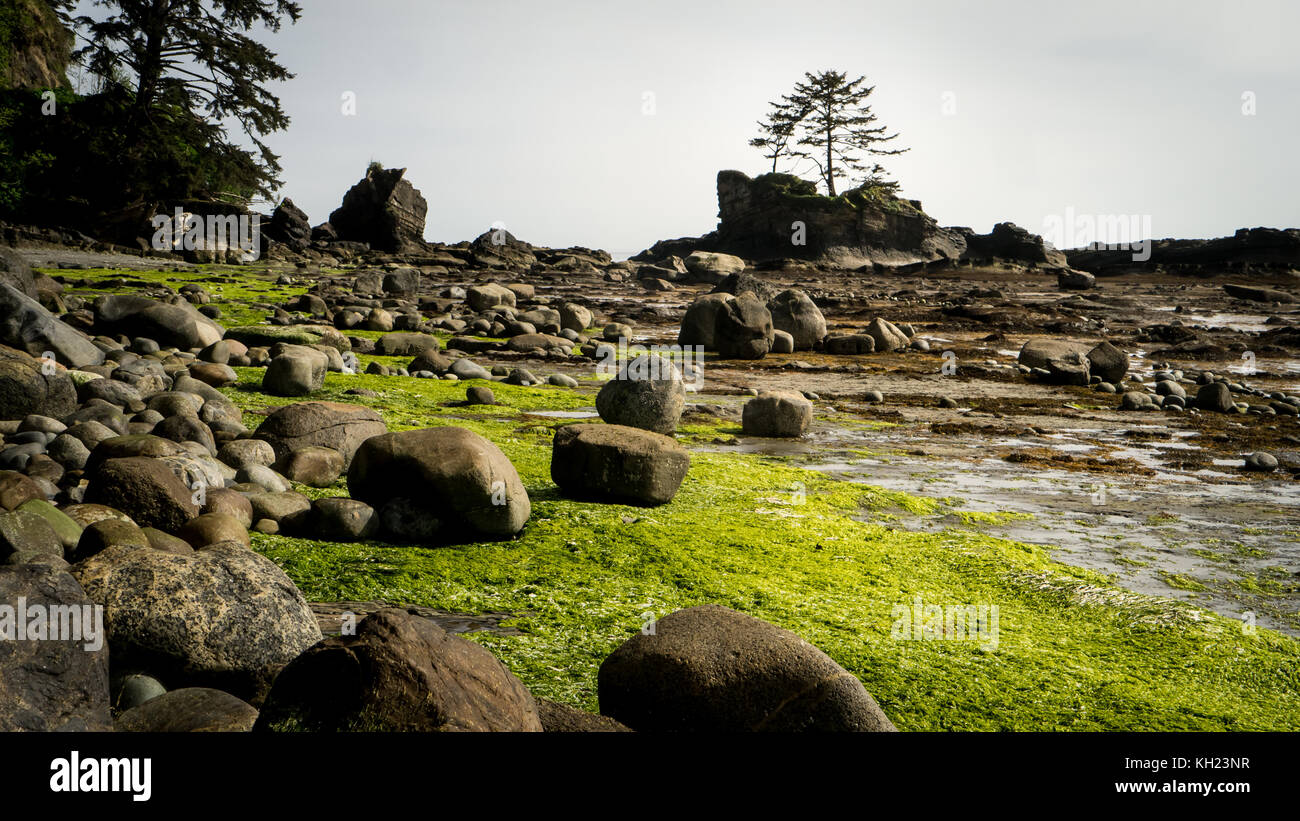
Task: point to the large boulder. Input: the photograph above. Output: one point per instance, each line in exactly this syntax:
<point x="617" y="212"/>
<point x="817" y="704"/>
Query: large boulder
<point x="1108" y="362"/>
<point x="406" y="343"/>
<point x="1066" y="363"/>
<point x="33" y="386"/>
<point x="700" y="319"/>
<point x="712" y="669"/>
<point x="333" y="425"/>
<point x="146" y="489"/>
<point x="176" y="324"/>
<point x="742" y="328"/>
<point x="400" y="672"/>
<point x="618" y="464"/>
<point x="222" y="617"/>
<point x="1216" y="396"/>
<point x="794" y="312"/>
<point x="575" y="317"/>
<point x="16" y="273"/>
<point x="646" y="393"/>
<point x="26" y="325"/>
<point x="60" y="682"/>
<point x="297" y="371"/>
<point x="705" y="266"/>
<point x="777" y="413"/>
<point x="383" y="210"/>
<point x="491" y="295"/>
<point x="887" y="335"/>
<point x="461" y="483"/>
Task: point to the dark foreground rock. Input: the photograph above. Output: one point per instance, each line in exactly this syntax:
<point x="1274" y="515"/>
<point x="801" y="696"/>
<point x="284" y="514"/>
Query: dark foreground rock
<point x="30" y="386"/>
<point x="26" y="325"/>
<point x="561" y="718"/>
<point x="47" y="684"/>
<point x="399" y="673"/>
<point x="189" y="710"/>
<point x="712" y="669"/>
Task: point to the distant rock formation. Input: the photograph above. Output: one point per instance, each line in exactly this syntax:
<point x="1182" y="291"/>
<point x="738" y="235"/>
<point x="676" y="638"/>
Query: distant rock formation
<point x="762" y="217"/>
<point x="1009" y="241"/>
<point x="289" y="225"/>
<point x="498" y="248"/>
<point x="1258" y="249"/>
<point x="383" y="210"/>
<point x="775" y="216"/>
<point x="34" y="46"/>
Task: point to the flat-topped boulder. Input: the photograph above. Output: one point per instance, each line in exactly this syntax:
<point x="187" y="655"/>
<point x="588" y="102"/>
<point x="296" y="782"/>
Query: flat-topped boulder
<point x="176" y="324"/>
<point x="335" y="425"/>
<point x="618" y="463"/>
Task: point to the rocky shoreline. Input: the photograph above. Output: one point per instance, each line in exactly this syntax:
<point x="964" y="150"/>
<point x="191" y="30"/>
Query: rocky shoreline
<point x="181" y="437"/>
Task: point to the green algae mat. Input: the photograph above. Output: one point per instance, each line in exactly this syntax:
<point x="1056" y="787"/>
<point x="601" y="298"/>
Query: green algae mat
<point x="811" y="554"/>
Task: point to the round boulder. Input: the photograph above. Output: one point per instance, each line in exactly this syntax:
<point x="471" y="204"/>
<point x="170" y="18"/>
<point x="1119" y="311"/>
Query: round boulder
<point x="712" y="669"/>
<point x="146" y="489"/>
<point x="29" y="385"/>
<point x="646" y="393"/>
<point x="398" y="673"/>
<point x="312" y="465"/>
<point x="456" y="477"/>
<point x="794" y="312"/>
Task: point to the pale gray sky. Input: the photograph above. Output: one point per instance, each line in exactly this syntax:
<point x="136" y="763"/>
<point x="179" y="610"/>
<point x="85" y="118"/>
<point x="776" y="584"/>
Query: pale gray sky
<point x="531" y="113"/>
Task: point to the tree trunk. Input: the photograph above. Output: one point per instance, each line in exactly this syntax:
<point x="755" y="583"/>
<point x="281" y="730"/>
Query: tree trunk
<point x="155" y="27"/>
<point x="830" y="170"/>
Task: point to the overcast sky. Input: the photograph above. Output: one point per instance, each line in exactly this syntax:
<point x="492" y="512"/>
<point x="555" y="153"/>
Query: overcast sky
<point x="535" y="113"/>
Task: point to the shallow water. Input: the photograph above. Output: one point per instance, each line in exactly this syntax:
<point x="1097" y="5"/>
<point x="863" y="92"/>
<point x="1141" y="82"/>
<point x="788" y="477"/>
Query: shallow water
<point x="1151" y="534"/>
